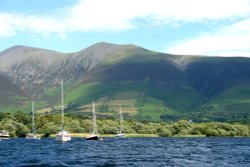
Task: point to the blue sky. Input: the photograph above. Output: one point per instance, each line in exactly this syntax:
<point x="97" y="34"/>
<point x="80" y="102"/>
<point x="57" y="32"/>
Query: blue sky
<point x="190" y="27"/>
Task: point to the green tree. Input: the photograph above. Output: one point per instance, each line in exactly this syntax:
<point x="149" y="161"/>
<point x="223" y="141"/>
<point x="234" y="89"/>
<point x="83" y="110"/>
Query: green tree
<point x="49" y="128"/>
<point x="74" y="126"/>
<point x="182" y="127"/>
<point x="21" y="129"/>
<point x="8" y="125"/>
<point x="22" y="118"/>
<point x="164" y="132"/>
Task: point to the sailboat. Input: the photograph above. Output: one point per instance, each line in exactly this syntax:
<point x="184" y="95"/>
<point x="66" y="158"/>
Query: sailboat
<point x="4" y="134"/>
<point x="121" y="132"/>
<point x="94" y="134"/>
<point x="62" y="136"/>
<point x="33" y="135"/>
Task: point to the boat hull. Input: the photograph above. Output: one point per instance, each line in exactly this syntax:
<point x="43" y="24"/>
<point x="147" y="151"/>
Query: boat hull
<point x="32" y="136"/>
<point x="92" y="138"/>
<point x="4" y="134"/>
<point x="120" y="136"/>
<point x="63" y="136"/>
<point x="4" y="137"/>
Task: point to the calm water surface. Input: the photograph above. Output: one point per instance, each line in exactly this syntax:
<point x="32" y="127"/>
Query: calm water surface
<point x="111" y="152"/>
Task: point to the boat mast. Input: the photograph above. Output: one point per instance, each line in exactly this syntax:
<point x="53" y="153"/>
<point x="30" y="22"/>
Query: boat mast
<point x="94" y="118"/>
<point x="62" y="107"/>
<point x="33" y="119"/>
<point x="121" y="120"/>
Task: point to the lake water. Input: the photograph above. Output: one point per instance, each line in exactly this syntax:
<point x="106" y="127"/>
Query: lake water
<point x="112" y="152"/>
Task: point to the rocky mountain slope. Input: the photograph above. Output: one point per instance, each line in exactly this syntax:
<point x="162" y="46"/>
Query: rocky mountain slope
<point x="150" y="85"/>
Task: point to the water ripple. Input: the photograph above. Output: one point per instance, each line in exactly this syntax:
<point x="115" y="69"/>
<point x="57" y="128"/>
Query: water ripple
<point x="198" y="152"/>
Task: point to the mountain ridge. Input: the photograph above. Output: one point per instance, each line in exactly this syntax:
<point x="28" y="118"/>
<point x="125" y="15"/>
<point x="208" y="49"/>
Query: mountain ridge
<point x="155" y="86"/>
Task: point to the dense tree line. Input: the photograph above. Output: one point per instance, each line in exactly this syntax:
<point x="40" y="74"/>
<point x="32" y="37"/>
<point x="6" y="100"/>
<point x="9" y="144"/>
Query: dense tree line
<point x="19" y="125"/>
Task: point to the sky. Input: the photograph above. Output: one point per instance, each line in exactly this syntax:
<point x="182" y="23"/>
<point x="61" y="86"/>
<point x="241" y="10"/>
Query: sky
<point x="186" y="27"/>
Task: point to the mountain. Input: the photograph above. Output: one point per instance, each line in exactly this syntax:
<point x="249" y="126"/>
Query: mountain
<point x="151" y="86"/>
<point x="30" y="68"/>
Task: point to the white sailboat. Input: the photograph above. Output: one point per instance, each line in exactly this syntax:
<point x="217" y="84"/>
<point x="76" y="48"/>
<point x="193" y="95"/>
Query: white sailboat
<point x="94" y="134"/>
<point x="121" y="132"/>
<point x="62" y="136"/>
<point x="33" y="135"/>
<point x="4" y="134"/>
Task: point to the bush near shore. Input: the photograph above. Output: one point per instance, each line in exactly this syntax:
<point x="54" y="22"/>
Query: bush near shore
<point x="19" y="125"/>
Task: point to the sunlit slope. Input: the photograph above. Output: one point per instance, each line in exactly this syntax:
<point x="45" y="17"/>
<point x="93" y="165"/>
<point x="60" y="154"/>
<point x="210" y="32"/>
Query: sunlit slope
<point x="233" y="105"/>
<point x="140" y="99"/>
<point x="149" y="85"/>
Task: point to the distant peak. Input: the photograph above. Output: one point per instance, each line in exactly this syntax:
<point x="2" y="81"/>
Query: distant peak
<point x="104" y="44"/>
<point x="15" y="48"/>
<point x="21" y="48"/>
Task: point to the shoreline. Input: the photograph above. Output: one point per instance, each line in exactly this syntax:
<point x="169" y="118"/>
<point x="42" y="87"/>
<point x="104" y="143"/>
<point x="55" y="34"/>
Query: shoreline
<point x="135" y="135"/>
<point x="132" y="135"/>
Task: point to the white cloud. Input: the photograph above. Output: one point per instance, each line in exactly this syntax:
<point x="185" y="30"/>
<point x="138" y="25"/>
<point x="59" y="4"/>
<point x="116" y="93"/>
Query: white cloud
<point x="232" y="40"/>
<point x="6" y="28"/>
<point x="110" y="15"/>
<point x="199" y="10"/>
<point x="119" y="14"/>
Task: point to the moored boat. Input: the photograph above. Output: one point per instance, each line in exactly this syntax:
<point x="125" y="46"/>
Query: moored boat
<point x="33" y="135"/>
<point x="4" y="134"/>
<point x="92" y="137"/>
<point x="121" y="133"/>
<point x="94" y="134"/>
<point x="62" y="136"/>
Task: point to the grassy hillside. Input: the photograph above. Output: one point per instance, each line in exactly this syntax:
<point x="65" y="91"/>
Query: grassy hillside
<point x="213" y="75"/>
<point x="140" y="100"/>
<point x="233" y="105"/>
<point x="150" y="86"/>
